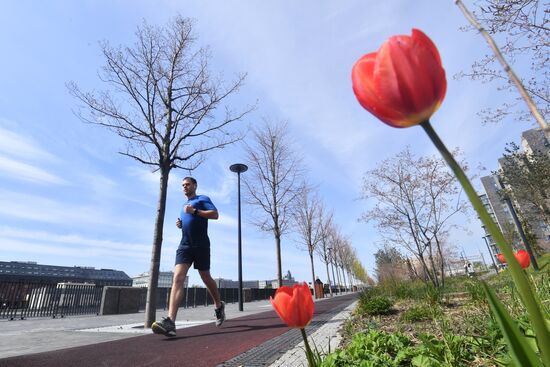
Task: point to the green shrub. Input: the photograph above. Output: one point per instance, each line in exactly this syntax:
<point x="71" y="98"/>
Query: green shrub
<point x="477" y="294"/>
<point x="376" y="306"/>
<point x="374" y="349"/>
<point x="405" y="291"/>
<point x="433" y="295"/>
<point x="418" y="313"/>
<point x="379" y="349"/>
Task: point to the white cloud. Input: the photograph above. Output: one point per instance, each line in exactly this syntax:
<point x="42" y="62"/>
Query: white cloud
<point x="47" y="249"/>
<point x="22" y="146"/>
<point x="46" y="210"/>
<point x="22" y="171"/>
<point x="74" y="240"/>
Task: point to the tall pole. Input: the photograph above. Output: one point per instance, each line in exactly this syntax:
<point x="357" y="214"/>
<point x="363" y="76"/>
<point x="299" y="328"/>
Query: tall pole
<point x="238" y="168"/>
<point x="491" y="253"/>
<point x="240" y="244"/>
<point x="519" y="227"/>
<point x="483" y="258"/>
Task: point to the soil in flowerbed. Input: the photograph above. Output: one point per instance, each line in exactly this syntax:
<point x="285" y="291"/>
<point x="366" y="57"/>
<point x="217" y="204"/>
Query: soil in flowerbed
<point x="455" y="307"/>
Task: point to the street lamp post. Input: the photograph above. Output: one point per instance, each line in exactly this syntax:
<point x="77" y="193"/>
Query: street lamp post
<point x="519" y="228"/>
<point x="490" y="253"/>
<point x="239" y="168"/>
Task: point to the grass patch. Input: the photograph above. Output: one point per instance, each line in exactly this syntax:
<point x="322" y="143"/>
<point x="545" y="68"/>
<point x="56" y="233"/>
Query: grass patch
<point x="418" y="313"/>
<point x="408" y="324"/>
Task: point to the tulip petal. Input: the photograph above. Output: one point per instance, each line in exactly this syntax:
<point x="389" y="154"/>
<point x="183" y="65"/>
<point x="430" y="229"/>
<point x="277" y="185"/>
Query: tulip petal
<point x="523" y="258"/>
<point x="408" y="75"/>
<point x="403" y="83"/>
<point x="280" y="302"/>
<point x="294" y="305"/>
<point x="364" y="89"/>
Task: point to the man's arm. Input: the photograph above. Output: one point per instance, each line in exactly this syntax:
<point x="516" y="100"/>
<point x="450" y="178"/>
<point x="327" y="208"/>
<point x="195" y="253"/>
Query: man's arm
<point x="208" y="214"/>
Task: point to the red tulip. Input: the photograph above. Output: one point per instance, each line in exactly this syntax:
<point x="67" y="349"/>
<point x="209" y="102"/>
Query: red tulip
<point x="523" y="259"/>
<point x="403" y="83"/>
<point x="294" y="305"/>
<point x="500" y="258"/>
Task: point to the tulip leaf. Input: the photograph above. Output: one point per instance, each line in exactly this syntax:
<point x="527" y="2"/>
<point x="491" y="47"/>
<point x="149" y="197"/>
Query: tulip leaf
<point x="521" y="352"/>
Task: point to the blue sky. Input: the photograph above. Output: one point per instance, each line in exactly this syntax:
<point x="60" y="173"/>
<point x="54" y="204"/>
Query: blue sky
<point x="67" y="197"/>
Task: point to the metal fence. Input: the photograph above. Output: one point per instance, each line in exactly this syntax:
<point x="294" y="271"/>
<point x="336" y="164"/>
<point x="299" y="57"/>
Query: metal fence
<point x="23" y="300"/>
<point x="193" y="297"/>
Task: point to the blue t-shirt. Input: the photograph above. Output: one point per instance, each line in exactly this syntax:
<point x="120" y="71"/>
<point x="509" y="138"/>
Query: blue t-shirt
<point x="194" y="229"/>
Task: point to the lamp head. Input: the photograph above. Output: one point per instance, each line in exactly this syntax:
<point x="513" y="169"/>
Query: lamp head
<point x="238" y="167"/>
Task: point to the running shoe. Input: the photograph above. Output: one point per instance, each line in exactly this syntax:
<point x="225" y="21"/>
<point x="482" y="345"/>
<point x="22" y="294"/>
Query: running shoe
<point x="165" y="327"/>
<point x="220" y="314"/>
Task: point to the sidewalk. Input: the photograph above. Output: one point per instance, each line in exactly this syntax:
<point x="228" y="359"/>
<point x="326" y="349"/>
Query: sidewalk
<point x="120" y="340"/>
<point x="36" y="335"/>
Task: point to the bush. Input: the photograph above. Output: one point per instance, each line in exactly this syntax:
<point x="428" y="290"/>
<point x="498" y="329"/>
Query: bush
<point x="433" y="295"/>
<point x="417" y="313"/>
<point x="376" y="305"/>
<point x="374" y="349"/>
<point x="405" y="291"/>
<point x="477" y="294"/>
<point x="377" y="349"/>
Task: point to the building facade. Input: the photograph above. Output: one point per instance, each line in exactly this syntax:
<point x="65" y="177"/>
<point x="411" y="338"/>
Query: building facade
<point x="501" y="210"/>
<point x="165" y="280"/>
<point x="228" y="283"/>
<point x="30" y="271"/>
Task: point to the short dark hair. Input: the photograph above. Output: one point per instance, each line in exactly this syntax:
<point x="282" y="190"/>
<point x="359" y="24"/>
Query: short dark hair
<point x="188" y="178"/>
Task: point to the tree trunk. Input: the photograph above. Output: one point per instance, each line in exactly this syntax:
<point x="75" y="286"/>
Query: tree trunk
<point x="427" y="274"/>
<point x="442" y="261"/>
<point x="328" y="277"/>
<point x="279" y="264"/>
<point x="435" y="278"/>
<point x="151" y="305"/>
<point x="312" y="270"/>
<point x="338" y="276"/>
<point x="344" y="278"/>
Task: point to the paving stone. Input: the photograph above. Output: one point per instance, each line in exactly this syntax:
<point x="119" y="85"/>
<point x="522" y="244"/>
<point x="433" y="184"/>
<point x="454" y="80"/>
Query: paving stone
<point x="287" y="349"/>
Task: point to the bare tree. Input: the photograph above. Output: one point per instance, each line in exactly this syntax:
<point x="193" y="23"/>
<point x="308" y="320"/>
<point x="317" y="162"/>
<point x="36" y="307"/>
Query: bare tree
<point x="415" y="198"/>
<point x="522" y="27"/>
<point x="347" y="255"/>
<point x="163" y="101"/>
<point x="309" y="217"/>
<point x="274" y="183"/>
<point x="527" y="177"/>
<point x="326" y="227"/>
<point x="390" y="265"/>
<point x="359" y="272"/>
<point x="338" y="242"/>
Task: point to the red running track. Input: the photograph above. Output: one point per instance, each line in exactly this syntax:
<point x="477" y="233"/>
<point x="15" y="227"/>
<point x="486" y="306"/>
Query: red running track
<point x="198" y="346"/>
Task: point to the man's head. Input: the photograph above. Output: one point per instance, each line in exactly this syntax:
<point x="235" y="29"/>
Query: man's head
<point x="189" y="186"/>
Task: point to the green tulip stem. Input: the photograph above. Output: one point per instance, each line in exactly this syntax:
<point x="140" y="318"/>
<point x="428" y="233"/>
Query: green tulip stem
<point x="309" y="354"/>
<point x="520" y="279"/>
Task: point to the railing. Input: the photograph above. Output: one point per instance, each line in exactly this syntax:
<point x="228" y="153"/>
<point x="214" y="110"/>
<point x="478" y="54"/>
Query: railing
<point x="193" y="297"/>
<point x="23" y="300"/>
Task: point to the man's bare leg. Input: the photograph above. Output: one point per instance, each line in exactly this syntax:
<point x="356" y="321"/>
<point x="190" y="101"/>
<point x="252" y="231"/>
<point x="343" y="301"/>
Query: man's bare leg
<point x="176" y="295"/>
<point x="215" y="294"/>
<point x="211" y="286"/>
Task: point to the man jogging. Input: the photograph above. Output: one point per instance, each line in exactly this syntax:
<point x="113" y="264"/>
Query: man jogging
<point x="194" y="249"/>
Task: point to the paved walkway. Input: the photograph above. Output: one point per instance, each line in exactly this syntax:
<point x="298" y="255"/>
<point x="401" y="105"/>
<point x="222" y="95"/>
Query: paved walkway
<point x="120" y="340"/>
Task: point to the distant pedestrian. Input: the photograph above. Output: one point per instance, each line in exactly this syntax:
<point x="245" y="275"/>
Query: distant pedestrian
<point x="194" y="249"/>
<point x="469" y="270"/>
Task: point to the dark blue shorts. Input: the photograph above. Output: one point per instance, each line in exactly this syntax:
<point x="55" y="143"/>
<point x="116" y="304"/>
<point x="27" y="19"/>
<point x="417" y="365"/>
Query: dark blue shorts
<point x="199" y="256"/>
